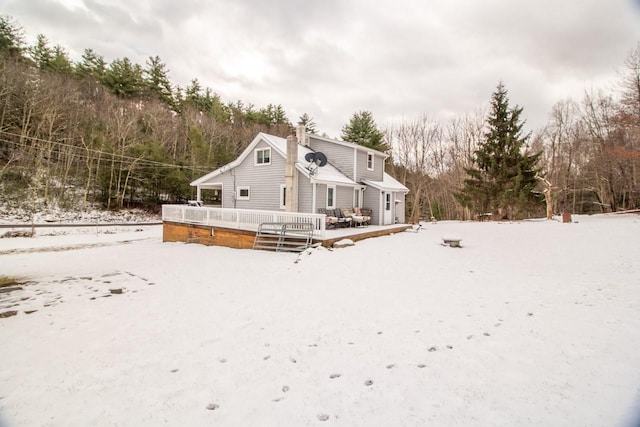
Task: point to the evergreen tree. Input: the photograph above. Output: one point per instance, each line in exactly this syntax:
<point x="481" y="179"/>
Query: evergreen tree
<point x="41" y="53"/>
<point x="504" y="175"/>
<point x="207" y="102"/>
<point x="272" y="115"/>
<point x="91" y="64"/>
<point x="60" y="62"/>
<point x="124" y="79"/>
<point x="157" y="80"/>
<point x="11" y="37"/>
<point x="362" y="130"/>
<point x="308" y="123"/>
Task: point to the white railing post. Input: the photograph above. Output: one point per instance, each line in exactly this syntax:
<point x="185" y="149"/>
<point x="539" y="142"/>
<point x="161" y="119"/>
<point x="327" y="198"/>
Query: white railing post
<point x="240" y="219"/>
<point x="323" y="227"/>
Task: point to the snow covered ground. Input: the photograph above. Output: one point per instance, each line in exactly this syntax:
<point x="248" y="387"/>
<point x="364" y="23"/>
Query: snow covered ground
<point x="532" y="323"/>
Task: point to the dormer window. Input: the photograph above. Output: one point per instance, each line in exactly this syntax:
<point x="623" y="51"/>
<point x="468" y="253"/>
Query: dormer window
<point x="263" y="156"/>
<point x="370" y="161"/>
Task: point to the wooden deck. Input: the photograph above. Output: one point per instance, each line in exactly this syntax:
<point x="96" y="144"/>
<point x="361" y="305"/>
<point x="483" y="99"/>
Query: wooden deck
<point x="360" y="233"/>
<point x="243" y="239"/>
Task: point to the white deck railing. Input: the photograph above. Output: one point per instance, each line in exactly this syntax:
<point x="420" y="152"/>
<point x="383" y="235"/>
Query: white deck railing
<point x="240" y="219"/>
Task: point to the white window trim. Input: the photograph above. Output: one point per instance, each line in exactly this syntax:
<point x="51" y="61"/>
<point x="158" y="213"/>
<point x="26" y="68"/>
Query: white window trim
<point x="357" y="194"/>
<point x="333" y="187"/>
<point x="373" y="161"/>
<point x="283" y="195"/>
<point x="255" y="156"/>
<point x="387" y="201"/>
<point x="239" y="197"/>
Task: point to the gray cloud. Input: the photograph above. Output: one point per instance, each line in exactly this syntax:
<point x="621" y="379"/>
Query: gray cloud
<point x="333" y="58"/>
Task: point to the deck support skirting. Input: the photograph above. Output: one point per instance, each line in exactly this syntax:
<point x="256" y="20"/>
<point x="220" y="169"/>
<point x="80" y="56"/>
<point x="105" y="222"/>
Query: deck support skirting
<point x="243" y="239"/>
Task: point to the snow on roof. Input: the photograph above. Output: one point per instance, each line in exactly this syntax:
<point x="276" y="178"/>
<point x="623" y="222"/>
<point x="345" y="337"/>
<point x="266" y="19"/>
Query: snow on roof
<point x="388" y="183"/>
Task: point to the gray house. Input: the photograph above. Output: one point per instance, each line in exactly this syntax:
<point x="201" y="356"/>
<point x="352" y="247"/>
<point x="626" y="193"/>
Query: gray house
<point x="305" y="173"/>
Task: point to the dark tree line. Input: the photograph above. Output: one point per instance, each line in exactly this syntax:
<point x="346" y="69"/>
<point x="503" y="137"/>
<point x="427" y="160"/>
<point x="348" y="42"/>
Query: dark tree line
<point x="119" y="134"/>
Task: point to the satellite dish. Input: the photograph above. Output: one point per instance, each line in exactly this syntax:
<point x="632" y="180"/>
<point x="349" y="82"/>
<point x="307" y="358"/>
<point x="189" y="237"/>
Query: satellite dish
<point x="320" y="159"/>
<point x="310" y="157"/>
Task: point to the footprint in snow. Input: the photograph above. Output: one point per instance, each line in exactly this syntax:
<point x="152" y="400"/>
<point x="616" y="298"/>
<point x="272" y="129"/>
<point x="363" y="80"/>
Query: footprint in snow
<point x="334" y="376"/>
<point x="390" y="366"/>
<point x="368" y="383"/>
<point x="323" y="417"/>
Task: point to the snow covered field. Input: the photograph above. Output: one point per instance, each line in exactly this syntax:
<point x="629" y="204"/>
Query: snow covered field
<point x="528" y="324"/>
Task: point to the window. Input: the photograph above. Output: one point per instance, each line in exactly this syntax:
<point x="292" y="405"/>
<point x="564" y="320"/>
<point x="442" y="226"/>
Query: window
<point x="331" y="196"/>
<point x="263" y="156"/>
<point x="283" y="196"/>
<point x="387" y="202"/>
<point x="242" y="193"/>
<point x="370" y="161"/>
<point x="356" y="198"/>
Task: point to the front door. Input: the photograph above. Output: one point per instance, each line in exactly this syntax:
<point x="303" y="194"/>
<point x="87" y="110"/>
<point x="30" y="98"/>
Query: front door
<point x="386" y="206"/>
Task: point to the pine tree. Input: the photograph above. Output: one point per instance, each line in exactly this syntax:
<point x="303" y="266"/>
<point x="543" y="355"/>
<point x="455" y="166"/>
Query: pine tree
<point x="41" y="52"/>
<point x="504" y="175"/>
<point x="308" y="123"/>
<point x="157" y="80"/>
<point x="60" y="62"/>
<point x="91" y="64"/>
<point x="11" y="37"/>
<point x="362" y="130"/>
<point x="124" y="78"/>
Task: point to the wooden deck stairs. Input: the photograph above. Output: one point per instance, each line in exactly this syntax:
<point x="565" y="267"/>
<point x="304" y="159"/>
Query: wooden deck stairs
<point x="284" y="236"/>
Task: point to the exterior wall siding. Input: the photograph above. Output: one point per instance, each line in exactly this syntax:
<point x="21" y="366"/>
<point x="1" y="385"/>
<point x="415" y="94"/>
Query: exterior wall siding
<point x="263" y="181"/>
<point x="227" y="190"/>
<point x="363" y="173"/>
<point x="344" y="197"/>
<point x="371" y="200"/>
<point x="339" y="156"/>
<point x="305" y="196"/>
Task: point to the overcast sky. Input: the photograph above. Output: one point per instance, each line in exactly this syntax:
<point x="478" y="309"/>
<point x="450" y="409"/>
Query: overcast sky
<point x="330" y="58"/>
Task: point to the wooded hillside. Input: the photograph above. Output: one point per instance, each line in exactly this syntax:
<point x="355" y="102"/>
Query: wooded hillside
<point x="122" y="135"/>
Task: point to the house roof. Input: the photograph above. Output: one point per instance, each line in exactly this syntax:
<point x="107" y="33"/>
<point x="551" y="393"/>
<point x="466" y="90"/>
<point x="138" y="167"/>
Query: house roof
<point x="325" y="174"/>
<point x="388" y="183"/>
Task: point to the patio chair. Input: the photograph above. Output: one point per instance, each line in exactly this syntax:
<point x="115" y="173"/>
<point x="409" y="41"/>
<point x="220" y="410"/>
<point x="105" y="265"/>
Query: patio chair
<point x="356" y="220"/>
<point x="365" y="213"/>
<point x="343" y="220"/>
<point x="330" y="220"/>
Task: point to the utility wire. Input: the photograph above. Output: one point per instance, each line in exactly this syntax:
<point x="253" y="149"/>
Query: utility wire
<point x="109" y="155"/>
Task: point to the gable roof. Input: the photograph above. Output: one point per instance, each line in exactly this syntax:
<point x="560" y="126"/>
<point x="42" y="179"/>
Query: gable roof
<point x="325" y="174"/>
